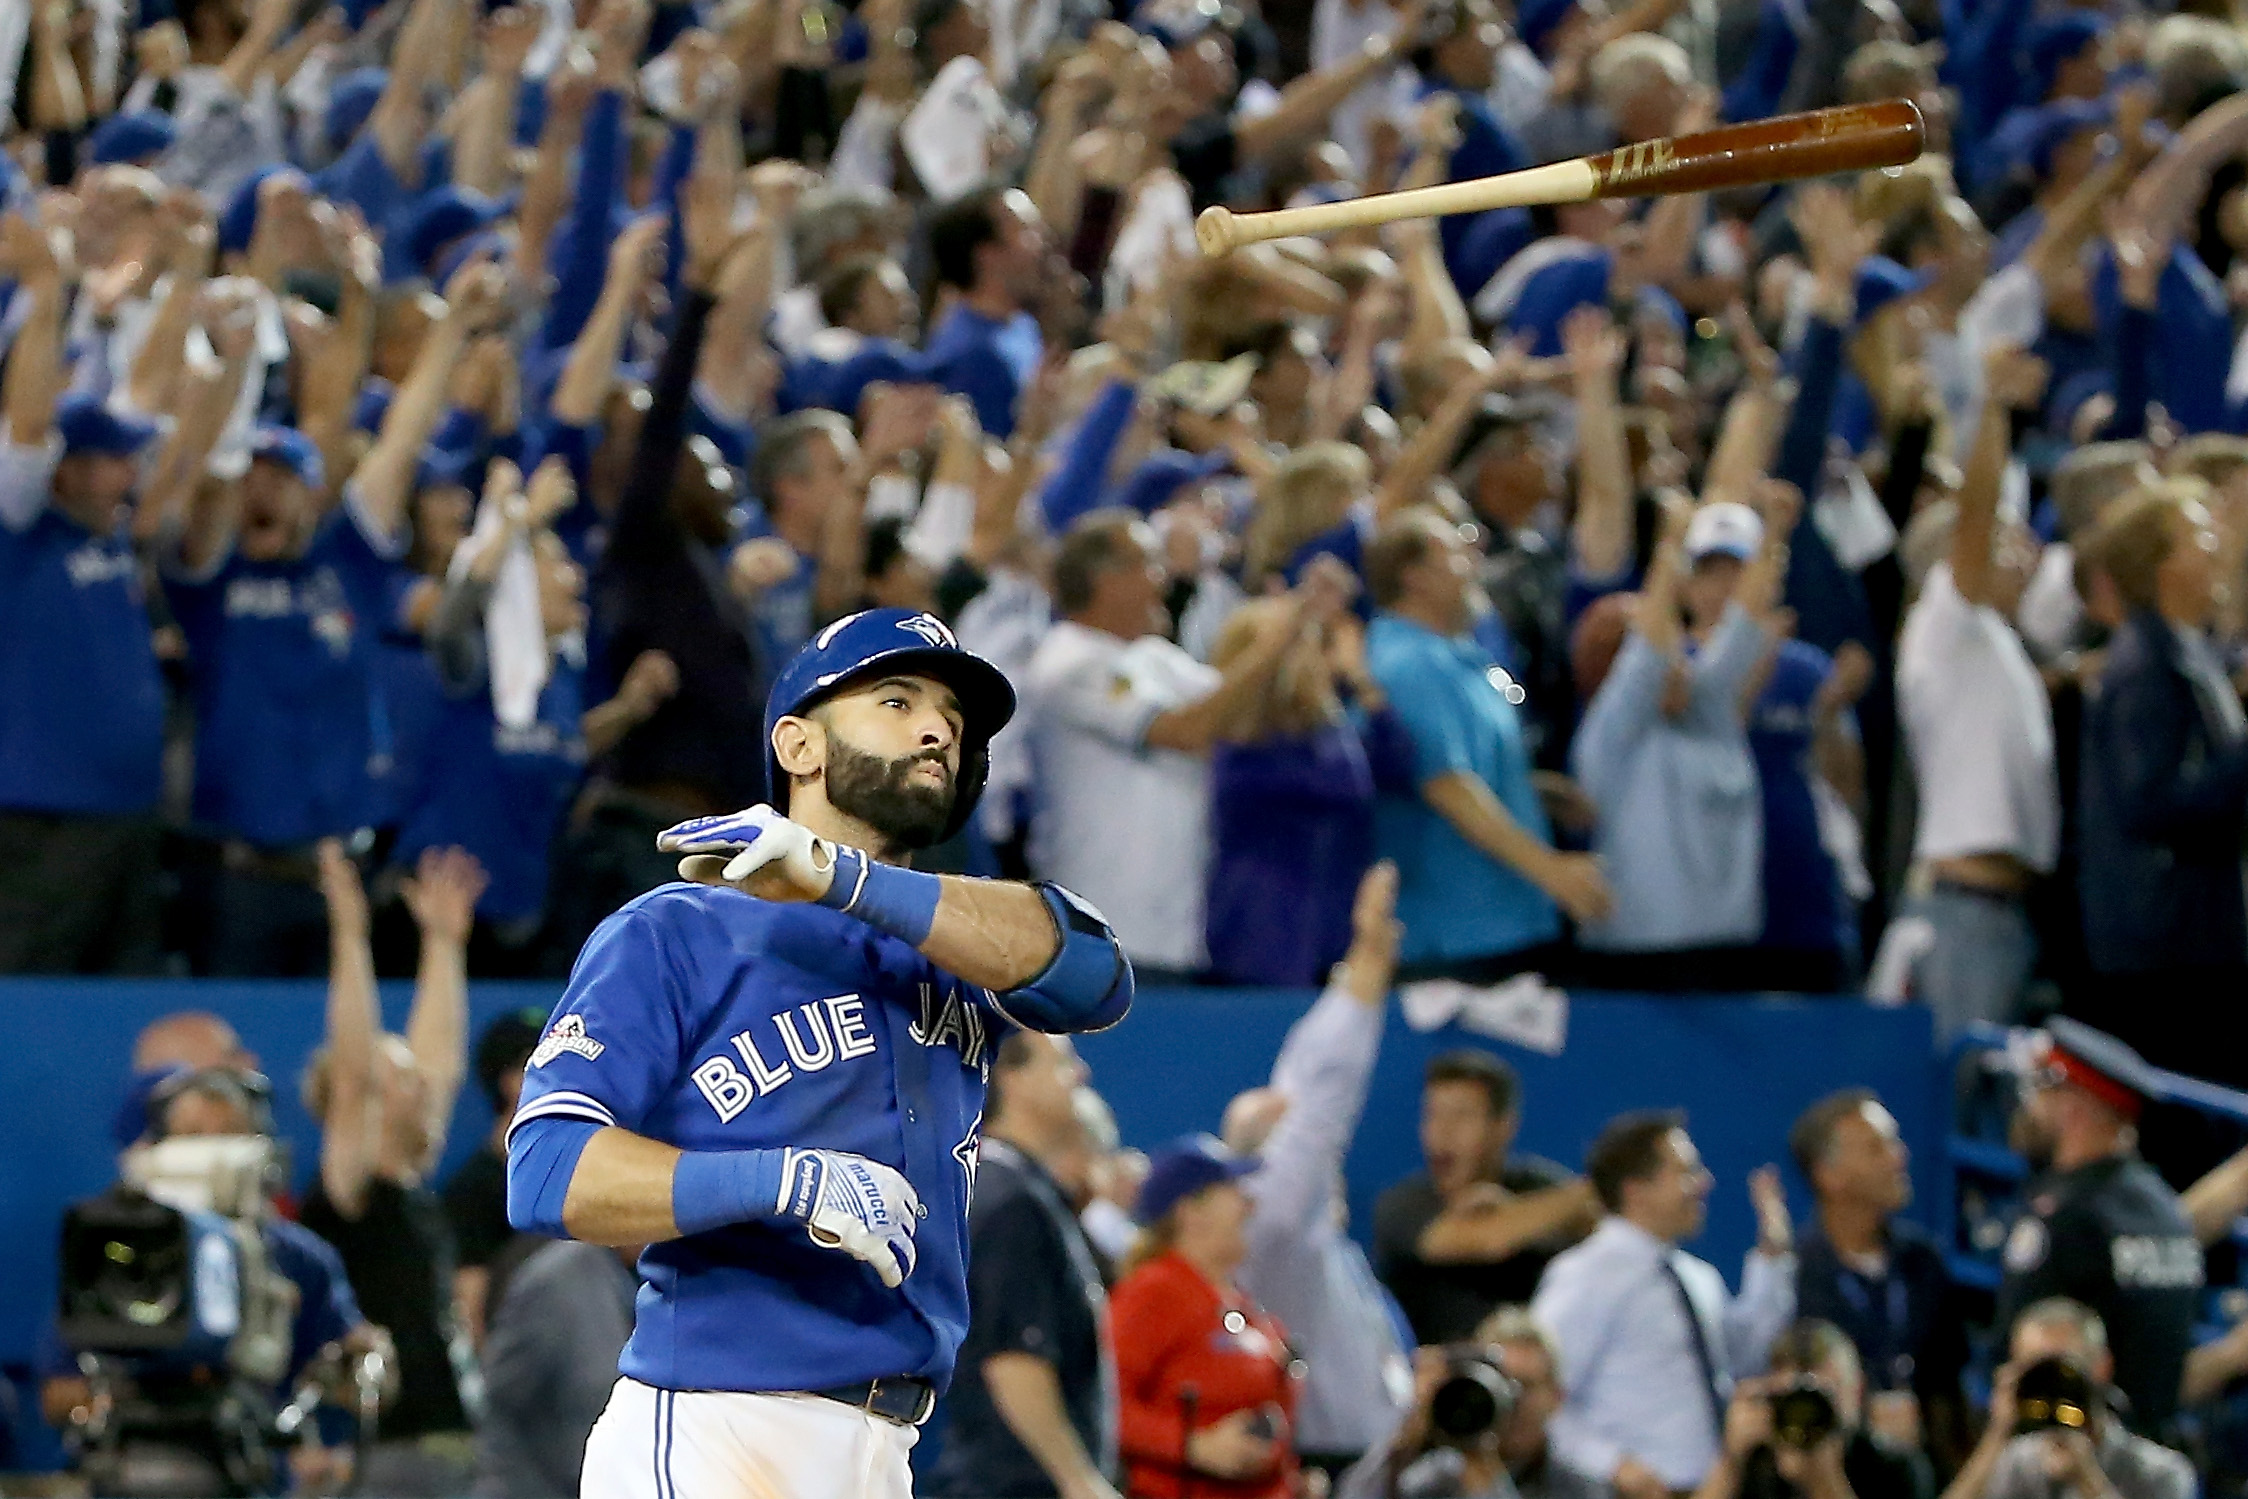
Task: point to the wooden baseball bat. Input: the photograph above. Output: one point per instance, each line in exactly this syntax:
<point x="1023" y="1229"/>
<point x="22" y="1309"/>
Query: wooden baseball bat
<point x="1849" y="138"/>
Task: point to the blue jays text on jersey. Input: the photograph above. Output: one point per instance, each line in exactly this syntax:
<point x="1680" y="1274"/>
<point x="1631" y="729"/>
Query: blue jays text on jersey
<point x="713" y="1021"/>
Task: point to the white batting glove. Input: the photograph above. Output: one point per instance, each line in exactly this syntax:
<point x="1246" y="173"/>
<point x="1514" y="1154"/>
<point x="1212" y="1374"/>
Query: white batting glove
<point x="847" y="1202"/>
<point x="795" y="865"/>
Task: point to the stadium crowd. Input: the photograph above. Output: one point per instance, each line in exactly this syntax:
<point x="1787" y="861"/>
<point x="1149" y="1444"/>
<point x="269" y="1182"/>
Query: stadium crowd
<point x="426" y="426"/>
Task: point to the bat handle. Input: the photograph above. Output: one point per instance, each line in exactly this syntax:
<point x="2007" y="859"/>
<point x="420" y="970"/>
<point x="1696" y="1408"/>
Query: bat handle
<point x="1214" y="230"/>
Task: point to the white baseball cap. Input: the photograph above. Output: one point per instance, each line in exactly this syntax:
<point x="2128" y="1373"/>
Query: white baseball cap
<point x="1725" y="529"/>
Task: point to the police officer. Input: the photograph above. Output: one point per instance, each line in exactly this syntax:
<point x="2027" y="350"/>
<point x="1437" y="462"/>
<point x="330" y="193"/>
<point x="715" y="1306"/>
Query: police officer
<point x="2101" y="1227"/>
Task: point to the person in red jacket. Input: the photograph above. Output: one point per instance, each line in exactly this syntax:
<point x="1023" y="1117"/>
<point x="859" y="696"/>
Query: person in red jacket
<point x="1206" y="1382"/>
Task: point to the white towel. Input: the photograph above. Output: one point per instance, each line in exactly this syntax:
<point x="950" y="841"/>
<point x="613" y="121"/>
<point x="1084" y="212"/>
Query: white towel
<point x="515" y="647"/>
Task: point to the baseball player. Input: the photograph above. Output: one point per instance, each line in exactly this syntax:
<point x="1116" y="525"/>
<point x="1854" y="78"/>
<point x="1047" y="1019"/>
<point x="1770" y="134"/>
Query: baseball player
<point x="773" y="1078"/>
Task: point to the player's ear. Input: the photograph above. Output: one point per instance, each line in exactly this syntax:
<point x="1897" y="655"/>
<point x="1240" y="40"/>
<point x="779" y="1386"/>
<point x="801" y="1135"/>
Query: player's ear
<point x="800" y="744"/>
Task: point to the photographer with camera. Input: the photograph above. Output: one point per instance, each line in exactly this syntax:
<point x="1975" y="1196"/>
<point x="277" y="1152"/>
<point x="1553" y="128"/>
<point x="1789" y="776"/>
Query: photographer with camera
<point x="1799" y="1432"/>
<point x="204" y="1147"/>
<point x="2053" y="1433"/>
<point x="1477" y="1425"/>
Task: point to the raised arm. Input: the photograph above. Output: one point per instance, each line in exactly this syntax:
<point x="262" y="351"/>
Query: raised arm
<point x="1600" y="536"/>
<point x="2011" y="378"/>
<point x="590" y="371"/>
<point x="348" y="1122"/>
<point x="1750" y="430"/>
<point x="384" y="479"/>
<point x="442" y="896"/>
<point x="400" y="119"/>
<point x="1323" y="1069"/>
<point x="1428" y="453"/>
<point x="1306" y="103"/>
<point x="36" y="378"/>
<point x="485" y="138"/>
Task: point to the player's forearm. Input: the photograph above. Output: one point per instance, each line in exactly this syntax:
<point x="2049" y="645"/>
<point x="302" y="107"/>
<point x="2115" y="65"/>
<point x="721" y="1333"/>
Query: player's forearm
<point x="1028" y="1395"/>
<point x="620" y="1193"/>
<point x="993" y="933"/>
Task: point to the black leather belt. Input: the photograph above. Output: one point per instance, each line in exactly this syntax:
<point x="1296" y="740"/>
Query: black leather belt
<point x="905" y="1401"/>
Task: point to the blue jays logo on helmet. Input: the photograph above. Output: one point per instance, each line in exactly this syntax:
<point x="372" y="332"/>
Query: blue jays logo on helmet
<point x="901" y="642"/>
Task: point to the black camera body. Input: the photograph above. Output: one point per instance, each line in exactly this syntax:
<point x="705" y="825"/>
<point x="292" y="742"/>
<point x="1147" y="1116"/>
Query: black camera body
<point x="2055" y="1394"/>
<point x="1474" y="1397"/>
<point x="1803" y="1413"/>
<point x="177" y="1317"/>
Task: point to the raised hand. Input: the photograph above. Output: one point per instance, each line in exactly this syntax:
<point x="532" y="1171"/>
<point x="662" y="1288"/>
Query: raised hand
<point x="342" y="889"/>
<point x="649" y="682"/>
<point x="477" y="295"/>
<point x="509" y="34"/>
<point x="442" y="893"/>
<point x="1775" y="1233"/>
<point x="2014" y="378"/>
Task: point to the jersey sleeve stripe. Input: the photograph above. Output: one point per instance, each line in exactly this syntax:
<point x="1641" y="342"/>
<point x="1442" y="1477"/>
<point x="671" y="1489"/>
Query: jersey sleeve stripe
<point x="561" y="1105"/>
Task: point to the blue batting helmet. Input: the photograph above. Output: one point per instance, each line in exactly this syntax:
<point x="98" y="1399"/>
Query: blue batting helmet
<point x="905" y="642"/>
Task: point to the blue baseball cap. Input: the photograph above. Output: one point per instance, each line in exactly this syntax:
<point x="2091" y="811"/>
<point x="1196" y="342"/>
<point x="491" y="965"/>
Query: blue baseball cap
<point x="87" y="426"/>
<point x="238" y="220"/>
<point x="1537" y="20"/>
<point x="292" y="450"/>
<point x="2052" y="126"/>
<point x="1184" y="1167"/>
<point x="1881" y="281"/>
<point x="351" y="99"/>
<point x="2055" y="42"/>
<point x="909" y="643"/>
<point x="440" y="218"/>
<point x="134" y="137"/>
<point x="1150" y="487"/>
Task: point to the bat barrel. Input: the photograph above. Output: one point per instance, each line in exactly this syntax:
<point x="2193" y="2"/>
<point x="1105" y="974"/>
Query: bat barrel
<point x="1851" y="138"/>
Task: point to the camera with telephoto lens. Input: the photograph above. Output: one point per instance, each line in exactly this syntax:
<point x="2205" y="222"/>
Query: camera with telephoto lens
<point x="1803" y="1414"/>
<point x="2055" y="1394"/>
<point x="1473" y="1398"/>
<point x="178" y="1320"/>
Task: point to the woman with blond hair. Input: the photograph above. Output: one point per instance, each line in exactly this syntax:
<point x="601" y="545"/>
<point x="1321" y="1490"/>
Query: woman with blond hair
<point x="1306" y="506"/>
<point x="2165" y="788"/>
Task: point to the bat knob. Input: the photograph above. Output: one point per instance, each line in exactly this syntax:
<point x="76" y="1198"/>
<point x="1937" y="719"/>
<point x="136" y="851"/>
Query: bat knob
<point x="1213" y="231"/>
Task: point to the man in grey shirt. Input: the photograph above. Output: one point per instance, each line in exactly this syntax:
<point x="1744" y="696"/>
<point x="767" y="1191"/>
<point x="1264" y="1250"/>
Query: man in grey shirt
<point x="2103" y="1461"/>
<point x="550" y="1360"/>
<point x="1302" y="1266"/>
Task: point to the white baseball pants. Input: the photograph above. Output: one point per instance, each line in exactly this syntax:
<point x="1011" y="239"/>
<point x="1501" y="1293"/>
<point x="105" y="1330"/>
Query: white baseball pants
<point x="723" y="1444"/>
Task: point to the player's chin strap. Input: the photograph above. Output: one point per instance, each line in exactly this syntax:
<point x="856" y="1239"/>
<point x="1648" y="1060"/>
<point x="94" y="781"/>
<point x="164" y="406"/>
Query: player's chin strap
<point x="1087" y="986"/>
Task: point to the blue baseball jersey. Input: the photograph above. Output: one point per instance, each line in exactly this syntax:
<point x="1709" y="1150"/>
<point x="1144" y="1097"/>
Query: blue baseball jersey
<point x="289" y="712"/>
<point x="713" y="1021"/>
<point x="83" y="731"/>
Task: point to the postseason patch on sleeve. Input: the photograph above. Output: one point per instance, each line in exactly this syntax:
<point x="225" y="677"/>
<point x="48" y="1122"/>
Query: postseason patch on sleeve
<point x="568" y="1034"/>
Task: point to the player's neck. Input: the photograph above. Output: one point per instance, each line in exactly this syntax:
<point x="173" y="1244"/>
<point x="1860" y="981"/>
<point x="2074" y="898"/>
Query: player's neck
<point x="825" y="821"/>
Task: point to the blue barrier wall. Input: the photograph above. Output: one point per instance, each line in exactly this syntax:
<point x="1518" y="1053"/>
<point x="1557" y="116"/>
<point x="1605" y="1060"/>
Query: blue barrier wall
<point x="1742" y="1068"/>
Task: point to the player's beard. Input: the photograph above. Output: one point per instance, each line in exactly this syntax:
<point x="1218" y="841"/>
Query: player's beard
<point x="908" y="813"/>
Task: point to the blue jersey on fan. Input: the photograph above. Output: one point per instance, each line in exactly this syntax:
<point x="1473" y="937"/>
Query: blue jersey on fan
<point x="713" y="1021"/>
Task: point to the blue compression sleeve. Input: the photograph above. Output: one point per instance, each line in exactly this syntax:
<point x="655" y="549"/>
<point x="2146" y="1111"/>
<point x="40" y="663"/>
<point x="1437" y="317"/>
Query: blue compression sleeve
<point x="542" y="1156"/>
<point x="715" y="1188"/>
<point x="902" y="902"/>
